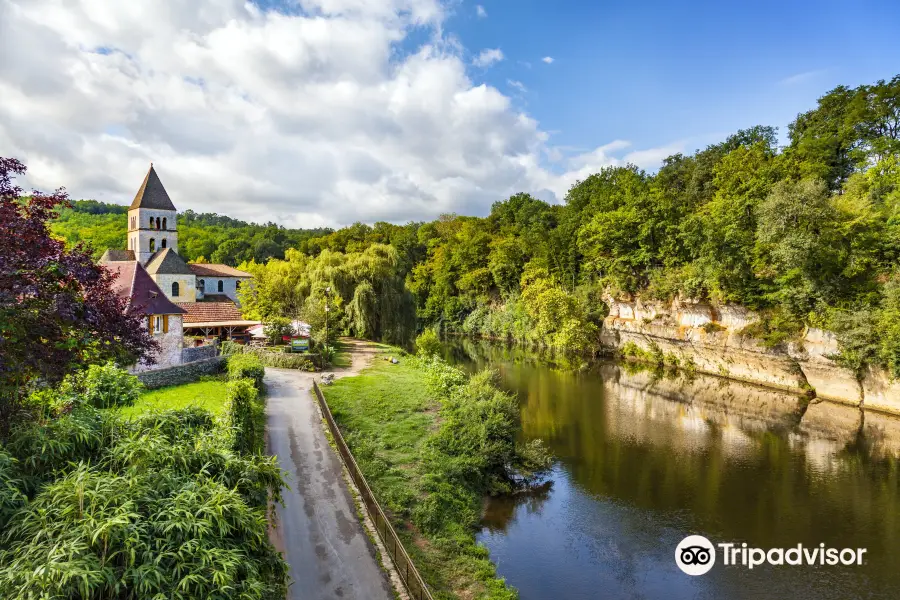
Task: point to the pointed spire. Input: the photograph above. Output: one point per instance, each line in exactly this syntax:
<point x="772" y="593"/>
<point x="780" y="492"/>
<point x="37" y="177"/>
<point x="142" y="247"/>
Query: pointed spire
<point x="152" y="193"/>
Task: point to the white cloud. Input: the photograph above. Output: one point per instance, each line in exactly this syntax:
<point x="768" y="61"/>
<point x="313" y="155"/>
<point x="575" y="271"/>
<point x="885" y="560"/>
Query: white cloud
<point x="487" y="57"/>
<point x="802" y="77"/>
<point x="517" y="85"/>
<point x="317" y="117"/>
<point x="480" y="11"/>
<point x="548" y="60"/>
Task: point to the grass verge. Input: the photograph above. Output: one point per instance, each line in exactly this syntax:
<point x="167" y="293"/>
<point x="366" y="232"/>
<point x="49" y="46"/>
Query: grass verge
<point x="386" y="415"/>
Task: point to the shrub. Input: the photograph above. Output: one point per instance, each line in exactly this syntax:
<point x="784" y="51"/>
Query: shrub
<point x="155" y="507"/>
<point x="474" y="451"/>
<point x="100" y="386"/>
<point x="106" y="386"/>
<point x="712" y="327"/>
<point x="242" y="398"/>
<point x="247" y="366"/>
<point x="282" y="358"/>
<point x="441" y="377"/>
<point x="276" y="329"/>
<point x="428" y="343"/>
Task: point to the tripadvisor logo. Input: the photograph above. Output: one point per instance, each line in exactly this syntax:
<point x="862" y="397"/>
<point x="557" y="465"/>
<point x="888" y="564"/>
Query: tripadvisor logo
<point x="696" y="555"/>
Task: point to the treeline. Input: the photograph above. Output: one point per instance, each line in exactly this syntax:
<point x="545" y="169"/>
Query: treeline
<point x="202" y="237"/>
<point x="806" y="233"/>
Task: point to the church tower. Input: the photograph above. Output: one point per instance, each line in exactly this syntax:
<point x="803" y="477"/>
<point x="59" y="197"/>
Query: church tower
<point x="152" y="220"/>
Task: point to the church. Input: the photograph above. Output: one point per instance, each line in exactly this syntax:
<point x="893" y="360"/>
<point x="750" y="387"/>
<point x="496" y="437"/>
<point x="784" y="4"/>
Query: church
<point x="178" y="299"/>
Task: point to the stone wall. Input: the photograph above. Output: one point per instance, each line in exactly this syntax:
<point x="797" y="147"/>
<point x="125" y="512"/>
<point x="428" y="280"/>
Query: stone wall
<point x="187" y="291"/>
<point x="194" y="353"/>
<point x="181" y="374"/>
<point x="710" y="337"/>
<point x="170" y="346"/>
<point x="210" y="285"/>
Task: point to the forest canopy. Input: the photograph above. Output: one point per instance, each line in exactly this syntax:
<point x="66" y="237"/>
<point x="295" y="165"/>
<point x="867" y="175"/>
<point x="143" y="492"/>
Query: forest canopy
<point x="807" y="233"/>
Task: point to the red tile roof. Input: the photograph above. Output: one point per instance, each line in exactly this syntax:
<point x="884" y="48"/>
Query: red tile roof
<point x="139" y="290"/>
<point x="216" y="270"/>
<point x="210" y="312"/>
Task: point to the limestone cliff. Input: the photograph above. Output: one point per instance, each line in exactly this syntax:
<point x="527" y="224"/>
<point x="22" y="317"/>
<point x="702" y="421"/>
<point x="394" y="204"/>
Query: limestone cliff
<point x="710" y="337"/>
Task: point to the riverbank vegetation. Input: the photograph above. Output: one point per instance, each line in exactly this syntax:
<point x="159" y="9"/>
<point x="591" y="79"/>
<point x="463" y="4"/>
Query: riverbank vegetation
<point x="806" y="233"/>
<point x="432" y="442"/>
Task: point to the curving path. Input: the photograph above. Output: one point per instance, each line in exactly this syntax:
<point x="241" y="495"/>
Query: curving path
<point x="317" y="529"/>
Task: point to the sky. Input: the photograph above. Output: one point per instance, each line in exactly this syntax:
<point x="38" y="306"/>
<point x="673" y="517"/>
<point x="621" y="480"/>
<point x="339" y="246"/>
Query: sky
<point x="317" y="113"/>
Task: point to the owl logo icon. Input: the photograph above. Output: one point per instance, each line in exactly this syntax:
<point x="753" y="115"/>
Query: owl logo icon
<point x="695" y="555"/>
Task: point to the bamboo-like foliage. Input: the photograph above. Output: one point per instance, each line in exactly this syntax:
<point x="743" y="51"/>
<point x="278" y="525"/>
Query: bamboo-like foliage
<point x="92" y="506"/>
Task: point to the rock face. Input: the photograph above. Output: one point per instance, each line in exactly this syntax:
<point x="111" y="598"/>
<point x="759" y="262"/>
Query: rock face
<point x="710" y="337"/>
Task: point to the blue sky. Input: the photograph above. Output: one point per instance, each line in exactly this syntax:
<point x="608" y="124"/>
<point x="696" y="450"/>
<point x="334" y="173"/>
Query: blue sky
<point x="658" y="72"/>
<point x="328" y="112"/>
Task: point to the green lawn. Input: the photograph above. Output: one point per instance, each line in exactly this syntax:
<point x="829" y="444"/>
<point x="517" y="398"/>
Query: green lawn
<point x="386" y="408"/>
<point x="208" y="394"/>
<point x="386" y="413"/>
<point x="342" y="357"/>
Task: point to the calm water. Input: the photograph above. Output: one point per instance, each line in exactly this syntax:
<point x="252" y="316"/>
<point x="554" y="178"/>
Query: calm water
<point x="644" y="461"/>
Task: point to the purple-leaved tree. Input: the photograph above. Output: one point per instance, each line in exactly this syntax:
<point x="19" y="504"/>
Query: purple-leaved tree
<point x="58" y="311"/>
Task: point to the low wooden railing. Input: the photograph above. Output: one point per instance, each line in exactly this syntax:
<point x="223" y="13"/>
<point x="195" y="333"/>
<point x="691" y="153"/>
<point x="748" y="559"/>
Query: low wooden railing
<point x="413" y="582"/>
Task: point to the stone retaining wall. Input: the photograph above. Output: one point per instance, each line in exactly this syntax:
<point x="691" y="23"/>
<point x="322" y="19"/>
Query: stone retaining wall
<point x="181" y="374"/>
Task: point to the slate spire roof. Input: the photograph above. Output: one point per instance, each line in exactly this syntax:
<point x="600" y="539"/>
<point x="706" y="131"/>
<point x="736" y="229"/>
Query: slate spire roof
<point x="152" y="194"/>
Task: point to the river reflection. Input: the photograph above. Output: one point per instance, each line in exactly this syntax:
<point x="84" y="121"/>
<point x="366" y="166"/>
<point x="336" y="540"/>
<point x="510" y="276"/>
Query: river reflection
<point x="645" y="460"/>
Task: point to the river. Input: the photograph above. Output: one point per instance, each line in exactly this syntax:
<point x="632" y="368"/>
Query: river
<point x="645" y="459"/>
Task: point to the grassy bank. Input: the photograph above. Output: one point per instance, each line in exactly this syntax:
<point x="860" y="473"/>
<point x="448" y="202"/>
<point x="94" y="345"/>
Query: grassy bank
<point x="431" y="443"/>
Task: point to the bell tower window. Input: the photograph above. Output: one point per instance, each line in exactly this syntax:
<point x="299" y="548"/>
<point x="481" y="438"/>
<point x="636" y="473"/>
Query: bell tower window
<point x="152" y="244"/>
<point x="164" y="224"/>
<point x="162" y="244"/>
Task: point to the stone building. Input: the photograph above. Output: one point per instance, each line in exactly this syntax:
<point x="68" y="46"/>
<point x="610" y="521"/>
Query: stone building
<point x="204" y="296"/>
<point x="162" y="317"/>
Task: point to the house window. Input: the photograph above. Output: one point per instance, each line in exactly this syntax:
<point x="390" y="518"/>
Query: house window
<point x="221" y="286"/>
<point x="202" y="284"/>
<point x="152" y="244"/>
<point x="175" y="290"/>
<point x="158" y="325"/>
<point x="163" y="243"/>
<point x="237" y="285"/>
<point x="164" y="223"/>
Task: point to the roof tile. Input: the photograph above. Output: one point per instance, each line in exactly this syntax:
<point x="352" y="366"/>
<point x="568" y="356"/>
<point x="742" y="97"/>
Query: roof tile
<point x="139" y="290"/>
<point x="208" y="312"/>
<point x="216" y="270"/>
